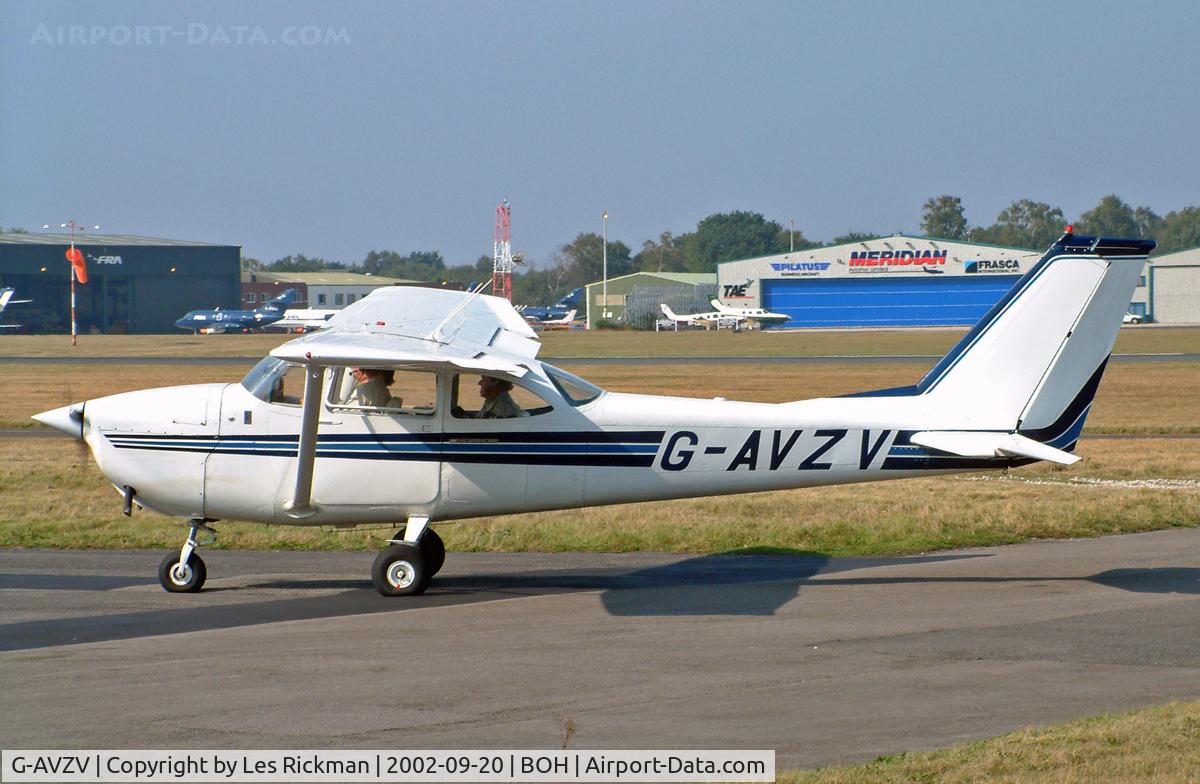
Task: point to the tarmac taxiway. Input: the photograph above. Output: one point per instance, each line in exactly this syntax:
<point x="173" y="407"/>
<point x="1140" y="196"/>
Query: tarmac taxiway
<point x="823" y="659"/>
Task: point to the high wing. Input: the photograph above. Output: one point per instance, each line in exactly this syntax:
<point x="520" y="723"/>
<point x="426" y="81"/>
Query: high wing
<point x="404" y="327"/>
<point x="419" y="326"/>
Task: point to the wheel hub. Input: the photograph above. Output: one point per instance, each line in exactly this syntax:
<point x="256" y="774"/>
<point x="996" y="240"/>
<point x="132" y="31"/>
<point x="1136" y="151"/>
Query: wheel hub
<point x="401" y="574"/>
<point x="181" y="574"/>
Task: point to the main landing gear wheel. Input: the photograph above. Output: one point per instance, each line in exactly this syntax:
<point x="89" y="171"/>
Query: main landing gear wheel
<point x="182" y="578"/>
<point x="433" y="550"/>
<point x="400" y="570"/>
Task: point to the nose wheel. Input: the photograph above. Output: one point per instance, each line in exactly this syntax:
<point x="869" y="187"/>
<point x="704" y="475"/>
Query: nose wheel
<point x="184" y="571"/>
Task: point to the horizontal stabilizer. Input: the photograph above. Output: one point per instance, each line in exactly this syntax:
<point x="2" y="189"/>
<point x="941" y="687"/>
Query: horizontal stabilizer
<point x="978" y="444"/>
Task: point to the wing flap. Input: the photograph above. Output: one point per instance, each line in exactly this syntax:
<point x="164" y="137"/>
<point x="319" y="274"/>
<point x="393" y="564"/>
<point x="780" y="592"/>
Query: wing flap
<point x="983" y="444"/>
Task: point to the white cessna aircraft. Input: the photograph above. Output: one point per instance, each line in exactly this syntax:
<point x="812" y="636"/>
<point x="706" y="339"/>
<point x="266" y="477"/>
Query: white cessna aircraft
<point x="1014" y="390"/>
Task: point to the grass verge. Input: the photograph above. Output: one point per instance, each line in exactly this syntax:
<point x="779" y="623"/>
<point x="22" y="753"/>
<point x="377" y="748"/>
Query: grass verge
<point x="621" y="343"/>
<point x="1159" y="744"/>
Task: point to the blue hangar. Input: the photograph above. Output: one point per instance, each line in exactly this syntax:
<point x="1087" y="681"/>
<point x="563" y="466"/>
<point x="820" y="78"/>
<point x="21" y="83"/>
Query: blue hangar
<point x="896" y="281"/>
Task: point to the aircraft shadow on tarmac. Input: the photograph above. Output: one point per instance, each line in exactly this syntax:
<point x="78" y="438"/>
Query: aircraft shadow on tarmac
<point x="706" y="585"/>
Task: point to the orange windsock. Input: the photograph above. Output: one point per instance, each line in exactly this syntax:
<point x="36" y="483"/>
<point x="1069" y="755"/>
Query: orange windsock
<point x="78" y="264"/>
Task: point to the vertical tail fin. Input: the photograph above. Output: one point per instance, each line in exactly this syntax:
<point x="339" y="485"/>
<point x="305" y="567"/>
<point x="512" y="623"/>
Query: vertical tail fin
<point x="1036" y="357"/>
<point x="668" y="312"/>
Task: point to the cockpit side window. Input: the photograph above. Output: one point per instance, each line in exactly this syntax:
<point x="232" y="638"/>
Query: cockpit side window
<point x="383" y="390"/>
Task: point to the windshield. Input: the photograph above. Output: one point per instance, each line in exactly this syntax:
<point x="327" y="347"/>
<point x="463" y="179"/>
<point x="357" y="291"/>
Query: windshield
<point x="577" y="391"/>
<point x="262" y="377"/>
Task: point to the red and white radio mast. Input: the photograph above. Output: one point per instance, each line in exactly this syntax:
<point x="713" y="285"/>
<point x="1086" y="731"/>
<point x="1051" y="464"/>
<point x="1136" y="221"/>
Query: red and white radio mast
<point x="502" y="258"/>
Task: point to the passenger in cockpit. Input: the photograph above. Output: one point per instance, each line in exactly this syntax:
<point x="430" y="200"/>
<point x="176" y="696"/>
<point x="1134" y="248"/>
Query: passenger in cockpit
<point x="371" y="387"/>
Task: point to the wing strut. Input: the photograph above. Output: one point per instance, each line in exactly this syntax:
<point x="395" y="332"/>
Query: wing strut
<point x="306" y="452"/>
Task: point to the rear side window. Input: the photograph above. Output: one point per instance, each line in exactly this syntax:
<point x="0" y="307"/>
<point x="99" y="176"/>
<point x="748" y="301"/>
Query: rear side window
<point x="577" y="391"/>
<point x="490" y="397"/>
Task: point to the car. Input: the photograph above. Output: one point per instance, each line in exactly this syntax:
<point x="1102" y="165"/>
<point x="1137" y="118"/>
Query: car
<point x="1132" y="318"/>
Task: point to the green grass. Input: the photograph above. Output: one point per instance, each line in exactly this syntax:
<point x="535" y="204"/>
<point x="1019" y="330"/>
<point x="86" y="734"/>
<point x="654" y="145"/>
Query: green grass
<point x="601" y="343"/>
<point x="1159" y="744"/>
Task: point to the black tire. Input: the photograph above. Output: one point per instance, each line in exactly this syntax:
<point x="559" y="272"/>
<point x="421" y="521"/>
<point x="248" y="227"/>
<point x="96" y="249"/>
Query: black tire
<point x="433" y="550"/>
<point x="190" y="580"/>
<point x="400" y="571"/>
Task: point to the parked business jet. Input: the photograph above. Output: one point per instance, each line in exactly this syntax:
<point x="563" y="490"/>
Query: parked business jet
<point x="6" y="299"/>
<point x="317" y="434"/>
<point x="217" y="321"/>
<point x="759" y="316"/>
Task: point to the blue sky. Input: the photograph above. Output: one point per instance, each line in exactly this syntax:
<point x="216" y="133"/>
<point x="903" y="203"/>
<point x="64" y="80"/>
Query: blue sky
<point x="407" y="125"/>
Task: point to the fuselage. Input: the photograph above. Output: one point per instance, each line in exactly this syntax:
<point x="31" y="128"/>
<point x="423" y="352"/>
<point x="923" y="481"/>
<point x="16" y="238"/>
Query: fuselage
<point x="218" y="451"/>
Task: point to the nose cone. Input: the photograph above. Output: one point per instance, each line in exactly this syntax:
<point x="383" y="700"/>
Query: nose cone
<point x="68" y="419"/>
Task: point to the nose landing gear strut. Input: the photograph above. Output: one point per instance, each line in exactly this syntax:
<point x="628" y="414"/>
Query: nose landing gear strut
<point x="184" y="572"/>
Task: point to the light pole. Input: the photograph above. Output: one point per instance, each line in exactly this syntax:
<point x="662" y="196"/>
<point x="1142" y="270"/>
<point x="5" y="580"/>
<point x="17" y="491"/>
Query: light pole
<point x="792" y="233"/>
<point x="604" y="309"/>
<point x="74" y="257"/>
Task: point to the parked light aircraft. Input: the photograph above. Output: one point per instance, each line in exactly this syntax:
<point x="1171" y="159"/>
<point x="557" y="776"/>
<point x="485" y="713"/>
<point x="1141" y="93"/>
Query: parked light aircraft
<point x="6" y="299"/>
<point x="713" y="318"/>
<point x="760" y="316"/>
<point x="217" y="321"/>
<point x="304" y="319"/>
<point x="1014" y="390"/>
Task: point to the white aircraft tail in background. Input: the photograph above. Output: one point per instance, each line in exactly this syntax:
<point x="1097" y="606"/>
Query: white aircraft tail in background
<point x="6" y="299"/>
<point x="294" y="445"/>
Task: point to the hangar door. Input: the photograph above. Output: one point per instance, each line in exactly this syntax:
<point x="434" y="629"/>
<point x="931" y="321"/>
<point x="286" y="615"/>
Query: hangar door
<point x="885" y="301"/>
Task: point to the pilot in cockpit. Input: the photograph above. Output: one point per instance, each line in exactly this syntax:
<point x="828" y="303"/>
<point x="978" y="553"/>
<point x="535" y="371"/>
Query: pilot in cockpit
<point x="497" y="402"/>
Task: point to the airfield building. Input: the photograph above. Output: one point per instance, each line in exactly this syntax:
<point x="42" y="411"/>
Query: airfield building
<point x="634" y="299"/>
<point x="135" y="284"/>
<point x="896" y="281"/>
<point x="329" y="289"/>
<point x="1172" y="288"/>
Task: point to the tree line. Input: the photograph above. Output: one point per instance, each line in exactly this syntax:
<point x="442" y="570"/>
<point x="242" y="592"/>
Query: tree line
<point x="1033" y="224"/>
<point x="741" y="234"/>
